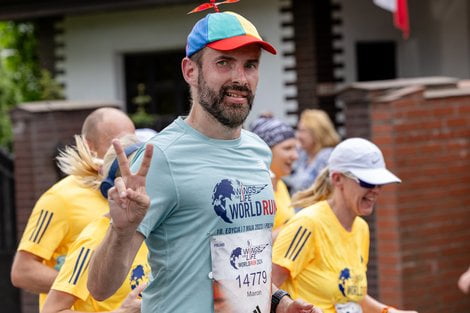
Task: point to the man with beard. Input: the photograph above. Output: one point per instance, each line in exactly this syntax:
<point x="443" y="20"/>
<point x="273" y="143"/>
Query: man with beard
<point x="209" y="191"/>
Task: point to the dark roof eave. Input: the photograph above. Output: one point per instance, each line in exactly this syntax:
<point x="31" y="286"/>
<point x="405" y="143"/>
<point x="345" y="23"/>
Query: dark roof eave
<point x="33" y="9"/>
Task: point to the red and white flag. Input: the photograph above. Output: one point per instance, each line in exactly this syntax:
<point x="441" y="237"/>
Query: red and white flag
<point x="399" y="8"/>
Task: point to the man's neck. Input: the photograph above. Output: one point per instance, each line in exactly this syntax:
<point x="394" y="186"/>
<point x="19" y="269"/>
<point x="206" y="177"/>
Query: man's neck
<point x="206" y="124"/>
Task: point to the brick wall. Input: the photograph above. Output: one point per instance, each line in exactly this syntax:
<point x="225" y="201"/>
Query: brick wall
<point x="39" y="128"/>
<point x="305" y="54"/>
<point x="423" y="225"/>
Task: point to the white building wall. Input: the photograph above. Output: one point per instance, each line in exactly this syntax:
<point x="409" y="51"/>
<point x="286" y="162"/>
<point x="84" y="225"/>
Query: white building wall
<point x="452" y="18"/>
<point x="438" y="45"/>
<point x="94" y="47"/>
<point x="94" y="44"/>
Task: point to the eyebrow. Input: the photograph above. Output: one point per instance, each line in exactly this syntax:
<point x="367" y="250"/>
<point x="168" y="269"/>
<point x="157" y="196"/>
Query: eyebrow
<point x="253" y="61"/>
<point x="224" y="57"/>
<point x="230" y="58"/>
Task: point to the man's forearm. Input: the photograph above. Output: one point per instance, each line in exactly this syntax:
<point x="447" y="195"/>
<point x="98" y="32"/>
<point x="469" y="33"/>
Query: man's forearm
<point x="40" y="281"/>
<point x="283" y="303"/>
<point x="111" y="263"/>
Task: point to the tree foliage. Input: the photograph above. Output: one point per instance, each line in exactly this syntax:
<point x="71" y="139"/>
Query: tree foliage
<point x="21" y="78"/>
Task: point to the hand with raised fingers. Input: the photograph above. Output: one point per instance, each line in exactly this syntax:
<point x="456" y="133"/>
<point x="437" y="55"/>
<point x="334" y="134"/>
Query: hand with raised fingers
<point x="128" y="199"/>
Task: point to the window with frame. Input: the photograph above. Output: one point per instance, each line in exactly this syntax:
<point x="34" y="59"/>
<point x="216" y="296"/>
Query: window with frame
<point x="154" y="84"/>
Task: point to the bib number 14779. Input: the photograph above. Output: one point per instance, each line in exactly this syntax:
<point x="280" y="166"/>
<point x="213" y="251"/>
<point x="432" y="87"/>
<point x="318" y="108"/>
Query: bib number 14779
<point x="252" y="279"/>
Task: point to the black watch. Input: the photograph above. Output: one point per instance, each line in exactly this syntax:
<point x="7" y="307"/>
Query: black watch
<point x="276" y="298"/>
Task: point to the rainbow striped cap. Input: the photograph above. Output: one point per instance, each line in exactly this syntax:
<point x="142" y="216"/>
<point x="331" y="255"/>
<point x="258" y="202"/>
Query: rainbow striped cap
<point x="224" y="31"/>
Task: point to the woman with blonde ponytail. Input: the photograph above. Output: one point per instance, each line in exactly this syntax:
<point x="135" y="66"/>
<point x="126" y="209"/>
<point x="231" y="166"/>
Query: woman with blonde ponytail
<point x="321" y="254"/>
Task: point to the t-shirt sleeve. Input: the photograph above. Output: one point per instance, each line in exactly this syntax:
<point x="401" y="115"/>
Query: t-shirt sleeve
<point x="47" y="226"/>
<point x="73" y="275"/>
<point x="160" y="187"/>
<point x="294" y="246"/>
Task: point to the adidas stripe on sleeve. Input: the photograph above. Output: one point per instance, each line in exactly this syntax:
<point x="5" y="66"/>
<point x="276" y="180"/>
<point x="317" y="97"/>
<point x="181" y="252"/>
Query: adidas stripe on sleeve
<point x="293" y="248"/>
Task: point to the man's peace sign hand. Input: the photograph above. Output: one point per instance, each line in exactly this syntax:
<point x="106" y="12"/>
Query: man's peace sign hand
<point x="128" y="200"/>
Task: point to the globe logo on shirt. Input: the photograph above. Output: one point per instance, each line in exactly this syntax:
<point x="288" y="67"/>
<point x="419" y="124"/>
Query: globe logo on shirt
<point x="226" y="190"/>
<point x="344" y="276"/>
<point x="137" y="276"/>
<point x="222" y="191"/>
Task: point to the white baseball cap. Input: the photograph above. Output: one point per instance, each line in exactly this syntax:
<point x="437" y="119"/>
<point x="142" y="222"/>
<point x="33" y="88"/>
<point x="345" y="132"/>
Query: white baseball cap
<point x="363" y="159"/>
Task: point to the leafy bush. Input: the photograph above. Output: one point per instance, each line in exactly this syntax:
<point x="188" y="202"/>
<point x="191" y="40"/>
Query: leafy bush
<point x="21" y="78"/>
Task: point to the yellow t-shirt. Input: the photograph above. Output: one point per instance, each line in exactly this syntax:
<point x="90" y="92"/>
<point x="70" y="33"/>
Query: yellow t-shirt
<point x="57" y="219"/>
<point x="284" y="210"/>
<point x="327" y="264"/>
<point x="73" y="275"/>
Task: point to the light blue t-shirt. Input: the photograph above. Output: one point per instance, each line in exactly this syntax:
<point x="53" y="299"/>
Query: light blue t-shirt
<point x="199" y="188"/>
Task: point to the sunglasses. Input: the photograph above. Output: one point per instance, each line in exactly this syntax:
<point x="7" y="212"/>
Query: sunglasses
<point x="361" y="183"/>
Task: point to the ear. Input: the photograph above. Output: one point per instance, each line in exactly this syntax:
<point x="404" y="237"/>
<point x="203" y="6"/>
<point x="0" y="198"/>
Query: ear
<point x="336" y="179"/>
<point x="189" y="69"/>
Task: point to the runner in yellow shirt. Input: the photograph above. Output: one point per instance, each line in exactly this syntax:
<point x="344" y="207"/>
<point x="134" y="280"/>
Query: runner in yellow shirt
<point x="69" y="288"/>
<point x="67" y="207"/>
<point x="321" y="255"/>
<point x="69" y="291"/>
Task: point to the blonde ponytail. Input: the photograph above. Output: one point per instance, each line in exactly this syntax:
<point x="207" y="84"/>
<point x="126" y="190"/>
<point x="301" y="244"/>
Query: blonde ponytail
<point x="79" y="161"/>
<point x="320" y="190"/>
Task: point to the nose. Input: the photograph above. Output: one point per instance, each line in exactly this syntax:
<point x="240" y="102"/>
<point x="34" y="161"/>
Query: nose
<point x="294" y="155"/>
<point x="377" y="189"/>
<point x="239" y="75"/>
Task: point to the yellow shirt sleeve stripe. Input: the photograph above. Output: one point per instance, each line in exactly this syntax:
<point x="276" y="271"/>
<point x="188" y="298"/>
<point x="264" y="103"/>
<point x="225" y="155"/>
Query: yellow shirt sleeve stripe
<point x="39" y="230"/>
<point x="80" y="265"/>
<point x="294" y="253"/>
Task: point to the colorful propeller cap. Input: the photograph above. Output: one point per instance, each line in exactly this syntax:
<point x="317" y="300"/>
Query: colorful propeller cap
<point x="224" y="31"/>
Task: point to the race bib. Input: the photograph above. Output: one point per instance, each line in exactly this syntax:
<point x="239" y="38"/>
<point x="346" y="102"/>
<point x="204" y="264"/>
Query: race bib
<point x="349" y="307"/>
<point x="241" y="272"/>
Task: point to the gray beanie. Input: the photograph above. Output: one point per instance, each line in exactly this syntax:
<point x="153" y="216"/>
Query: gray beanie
<point x="272" y="130"/>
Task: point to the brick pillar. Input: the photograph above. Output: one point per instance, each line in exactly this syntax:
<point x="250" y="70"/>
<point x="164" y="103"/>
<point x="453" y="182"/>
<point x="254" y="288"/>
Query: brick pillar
<point x="39" y="128"/>
<point x="314" y="65"/>
<point x="422" y="226"/>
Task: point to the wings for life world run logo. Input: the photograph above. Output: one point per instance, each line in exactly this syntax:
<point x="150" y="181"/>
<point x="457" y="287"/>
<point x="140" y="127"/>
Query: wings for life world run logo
<point x="344" y="276"/>
<point x="137" y="276"/>
<point x="233" y="200"/>
<point x="350" y="284"/>
<point x="243" y="257"/>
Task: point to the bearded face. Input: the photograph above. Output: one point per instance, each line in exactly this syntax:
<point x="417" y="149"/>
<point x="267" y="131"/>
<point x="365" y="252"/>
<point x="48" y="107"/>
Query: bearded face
<point x="219" y="103"/>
